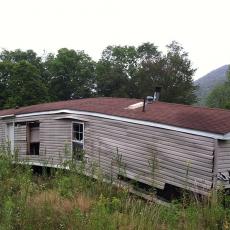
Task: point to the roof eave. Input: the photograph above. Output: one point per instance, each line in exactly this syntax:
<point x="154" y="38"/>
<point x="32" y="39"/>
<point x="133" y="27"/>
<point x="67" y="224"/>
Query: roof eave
<point x="7" y="116"/>
<point x="226" y="136"/>
<point x="134" y="121"/>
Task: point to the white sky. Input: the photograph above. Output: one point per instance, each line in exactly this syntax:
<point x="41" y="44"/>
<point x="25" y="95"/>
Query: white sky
<point x="202" y="27"/>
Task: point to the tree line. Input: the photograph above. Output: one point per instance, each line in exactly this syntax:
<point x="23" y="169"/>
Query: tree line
<point x="122" y="71"/>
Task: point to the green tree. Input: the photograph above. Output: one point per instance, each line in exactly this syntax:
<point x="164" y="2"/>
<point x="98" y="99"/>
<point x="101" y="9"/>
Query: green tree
<point x="135" y="72"/>
<point x="11" y="66"/>
<point x="71" y="75"/>
<point x="5" y="73"/>
<point x="220" y="95"/>
<point x="115" y="70"/>
<point x="25" y="86"/>
<point x="177" y="72"/>
<point x="18" y="55"/>
<point x="148" y="73"/>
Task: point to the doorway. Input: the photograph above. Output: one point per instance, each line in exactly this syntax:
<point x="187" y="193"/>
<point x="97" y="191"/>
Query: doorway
<point x="10" y="137"/>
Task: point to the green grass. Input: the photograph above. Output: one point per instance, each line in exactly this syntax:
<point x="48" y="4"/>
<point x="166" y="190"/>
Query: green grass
<point x="69" y="200"/>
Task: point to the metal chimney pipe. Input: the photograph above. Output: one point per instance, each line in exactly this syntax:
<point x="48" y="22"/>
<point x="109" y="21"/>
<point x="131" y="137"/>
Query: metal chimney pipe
<point x="143" y="108"/>
<point x="157" y="93"/>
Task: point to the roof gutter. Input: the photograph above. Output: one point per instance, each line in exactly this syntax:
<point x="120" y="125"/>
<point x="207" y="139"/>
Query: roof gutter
<point x="6" y="116"/>
<point x="134" y="121"/>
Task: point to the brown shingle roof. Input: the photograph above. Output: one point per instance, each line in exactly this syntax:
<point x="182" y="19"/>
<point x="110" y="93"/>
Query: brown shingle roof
<point x="184" y="116"/>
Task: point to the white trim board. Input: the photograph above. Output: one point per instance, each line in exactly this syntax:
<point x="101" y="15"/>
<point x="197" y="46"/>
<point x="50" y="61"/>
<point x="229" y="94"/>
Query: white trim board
<point x="134" y="121"/>
<point x="6" y="116"/>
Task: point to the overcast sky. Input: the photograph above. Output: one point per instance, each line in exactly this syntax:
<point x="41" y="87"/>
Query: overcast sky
<point x="202" y="27"/>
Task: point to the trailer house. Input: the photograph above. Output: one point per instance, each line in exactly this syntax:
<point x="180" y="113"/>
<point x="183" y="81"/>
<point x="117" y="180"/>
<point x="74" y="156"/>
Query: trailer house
<point x="157" y="143"/>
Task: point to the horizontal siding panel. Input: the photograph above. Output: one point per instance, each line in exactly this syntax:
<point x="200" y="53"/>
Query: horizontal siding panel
<point x="179" y="178"/>
<point x="142" y="133"/>
<point x="20" y="133"/>
<point x="162" y="155"/>
<point x="178" y="166"/>
<point x="223" y="156"/>
<point x="137" y="147"/>
<point x="223" y="153"/>
<point x="160" y="172"/>
<point x="146" y="142"/>
<point x="192" y="168"/>
<point x="105" y="140"/>
<point x="2" y="133"/>
<point x="127" y="126"/>
<point x="55" y="136"/>
<point x="114" y="145"/>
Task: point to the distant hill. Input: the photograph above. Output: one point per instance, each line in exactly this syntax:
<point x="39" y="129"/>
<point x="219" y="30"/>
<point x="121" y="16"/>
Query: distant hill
<point x="208" y="82"/>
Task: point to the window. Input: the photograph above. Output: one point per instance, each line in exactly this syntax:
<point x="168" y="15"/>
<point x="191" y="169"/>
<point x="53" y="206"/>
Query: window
<point x="78" y="141"/>
<point x="78" y="132"/>
<point x="34" y="148"/>
<point x="33" y="138"/>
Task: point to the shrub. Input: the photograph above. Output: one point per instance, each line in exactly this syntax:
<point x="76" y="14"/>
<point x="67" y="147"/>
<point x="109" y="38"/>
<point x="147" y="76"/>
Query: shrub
<point x="70" y="200"/>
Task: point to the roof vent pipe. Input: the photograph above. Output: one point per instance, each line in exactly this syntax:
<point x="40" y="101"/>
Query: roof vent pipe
<point x="143" y="108"/>
<point x="157" y="92"/>
<point x="147" y="100"/>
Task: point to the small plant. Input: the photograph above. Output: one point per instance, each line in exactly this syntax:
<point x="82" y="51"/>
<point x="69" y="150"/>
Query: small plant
<point x="120" y="166"/>
<point x="153" y="164"/>
<point x="68" y="199"/>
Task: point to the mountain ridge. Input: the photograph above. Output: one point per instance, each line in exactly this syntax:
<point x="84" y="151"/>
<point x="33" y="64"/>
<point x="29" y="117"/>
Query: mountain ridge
<point x="209" y="81"/>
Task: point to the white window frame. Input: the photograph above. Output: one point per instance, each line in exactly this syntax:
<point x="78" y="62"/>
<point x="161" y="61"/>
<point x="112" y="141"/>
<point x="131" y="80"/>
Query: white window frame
<point x="76" y="141"/>
<point x="80" y="142"/>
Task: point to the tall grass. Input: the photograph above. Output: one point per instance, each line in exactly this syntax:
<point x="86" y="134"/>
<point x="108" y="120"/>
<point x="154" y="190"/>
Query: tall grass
<point x="66" y="199"/>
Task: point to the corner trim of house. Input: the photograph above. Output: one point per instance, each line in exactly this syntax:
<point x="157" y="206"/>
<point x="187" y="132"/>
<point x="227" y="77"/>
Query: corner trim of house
<point x="134" y="121"/>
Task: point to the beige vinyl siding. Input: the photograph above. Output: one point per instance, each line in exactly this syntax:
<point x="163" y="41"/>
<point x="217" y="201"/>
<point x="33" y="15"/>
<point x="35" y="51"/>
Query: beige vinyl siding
<point x="3" y="129"/>
<point x="2" y="132"/>
<point x="223" y="156"/>
<point x="181" y="159"/>
<point x="223" y="162"/>
<point x="20" y="139"/>
<point x="55" y="140"/>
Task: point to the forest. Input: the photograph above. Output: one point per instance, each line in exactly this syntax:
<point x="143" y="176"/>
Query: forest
<point x="27" y="78"/>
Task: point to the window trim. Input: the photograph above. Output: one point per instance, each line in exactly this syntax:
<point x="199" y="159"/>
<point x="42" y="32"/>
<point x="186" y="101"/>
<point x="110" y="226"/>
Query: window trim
<point x="83" y="139"/>
<point x="28" y="138"/>
<point x="76" y="141"/>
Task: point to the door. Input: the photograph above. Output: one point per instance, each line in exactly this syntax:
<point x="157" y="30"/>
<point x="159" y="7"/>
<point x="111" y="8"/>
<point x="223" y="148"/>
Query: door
<point x="10" y="137"/>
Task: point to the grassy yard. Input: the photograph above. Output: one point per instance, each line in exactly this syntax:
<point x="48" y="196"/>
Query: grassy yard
<point x="66" y="199"/>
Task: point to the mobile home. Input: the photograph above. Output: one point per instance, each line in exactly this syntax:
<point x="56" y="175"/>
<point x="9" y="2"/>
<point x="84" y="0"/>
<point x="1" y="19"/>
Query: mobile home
<point x="157" y="143"/>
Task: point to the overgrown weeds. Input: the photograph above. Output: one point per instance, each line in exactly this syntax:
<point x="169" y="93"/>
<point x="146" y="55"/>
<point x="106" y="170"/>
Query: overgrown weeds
<point x="66" y="199"/>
